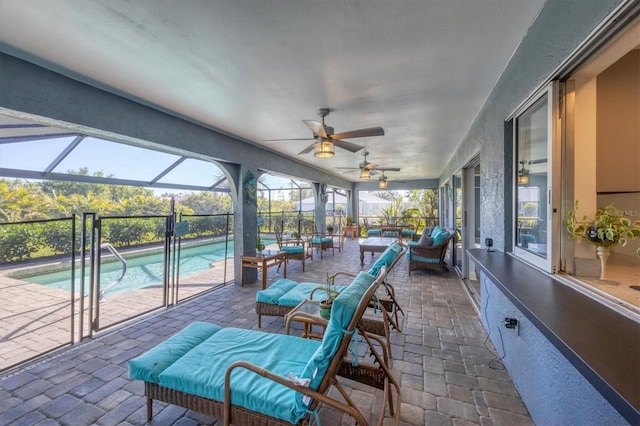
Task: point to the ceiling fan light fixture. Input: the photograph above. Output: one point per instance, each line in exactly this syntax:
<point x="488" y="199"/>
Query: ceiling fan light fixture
<point x="382" y="183"/>
<point x="323" y="149"/>
<point x="523" y="174"/>
<point x="365" y="174"/>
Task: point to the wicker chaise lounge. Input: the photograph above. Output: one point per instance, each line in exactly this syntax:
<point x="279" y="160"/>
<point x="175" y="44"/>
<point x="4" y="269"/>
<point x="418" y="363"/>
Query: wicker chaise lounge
<point x="284" y="294"/>
<point x="254" y="377"/>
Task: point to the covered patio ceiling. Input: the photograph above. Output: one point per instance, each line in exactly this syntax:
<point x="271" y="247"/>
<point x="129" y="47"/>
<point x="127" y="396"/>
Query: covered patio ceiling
<point x="254" y="70"/>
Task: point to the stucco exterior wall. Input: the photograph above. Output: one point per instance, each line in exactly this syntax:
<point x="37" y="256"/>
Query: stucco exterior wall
<point x="553" y="390"/>
<point x="558" y="30"/>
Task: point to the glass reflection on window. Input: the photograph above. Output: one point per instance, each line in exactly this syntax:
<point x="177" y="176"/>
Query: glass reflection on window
<point x="531" y="178"/>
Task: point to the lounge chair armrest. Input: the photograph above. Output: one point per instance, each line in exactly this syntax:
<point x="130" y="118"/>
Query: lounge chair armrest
<point x="319" y="397"/>
<point x="333" y="292"/>
<point x="342" y="273"/>
<point x="297" y="242"/>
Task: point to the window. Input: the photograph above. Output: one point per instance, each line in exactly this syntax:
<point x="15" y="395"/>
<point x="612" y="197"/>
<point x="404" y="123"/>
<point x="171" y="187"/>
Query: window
<point x="602" y="162"/>
<point x="534" y="141"/>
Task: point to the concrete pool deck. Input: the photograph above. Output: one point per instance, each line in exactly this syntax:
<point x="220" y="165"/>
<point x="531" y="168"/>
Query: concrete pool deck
<point x="35" y="318"/>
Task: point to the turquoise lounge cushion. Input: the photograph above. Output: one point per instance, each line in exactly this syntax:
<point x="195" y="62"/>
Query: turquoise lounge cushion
<point x="386" y="258"/>
<point x="201" y="371"/>
<point x="373" y="232"/>
<point x="293" y="249"/>
<point x="344" y="306"/>
<point x="390" y="234"/>
<point x="275" y="291"/>
<point x="408" y="232"/>
<point x="434" y="231"/>
<point x="149" y="365"/>
<point x="301" y="291"/>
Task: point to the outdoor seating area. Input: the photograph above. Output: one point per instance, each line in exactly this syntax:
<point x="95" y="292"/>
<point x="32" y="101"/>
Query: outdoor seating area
<point x="247" y="376"/>
<point x="438" y="375"/>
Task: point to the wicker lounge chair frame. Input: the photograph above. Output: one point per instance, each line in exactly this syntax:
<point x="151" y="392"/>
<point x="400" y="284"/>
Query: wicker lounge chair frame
<point x="242" y="416"/>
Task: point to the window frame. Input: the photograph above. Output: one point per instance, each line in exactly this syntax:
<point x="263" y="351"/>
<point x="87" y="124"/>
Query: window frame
<point x="553" y="93"/>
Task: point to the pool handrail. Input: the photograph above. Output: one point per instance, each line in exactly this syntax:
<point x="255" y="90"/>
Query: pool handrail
<point x="122" y="260"/>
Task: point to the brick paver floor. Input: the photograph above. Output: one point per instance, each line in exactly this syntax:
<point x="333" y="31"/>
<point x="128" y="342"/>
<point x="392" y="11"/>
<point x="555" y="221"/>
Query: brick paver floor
<point x="446" y="367"/>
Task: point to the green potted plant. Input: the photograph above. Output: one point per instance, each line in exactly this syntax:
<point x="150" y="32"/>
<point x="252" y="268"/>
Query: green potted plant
<point x="348" y="221"/>
<point x="608" y="228"/>
<point x="330" y="228"/>
<point x="327" y="302"/>
<point x="259" y="244"/>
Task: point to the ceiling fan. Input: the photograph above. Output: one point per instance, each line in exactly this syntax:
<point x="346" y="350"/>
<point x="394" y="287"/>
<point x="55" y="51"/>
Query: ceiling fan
<point x="325" y="138"/>
<point x="368" y="169"/>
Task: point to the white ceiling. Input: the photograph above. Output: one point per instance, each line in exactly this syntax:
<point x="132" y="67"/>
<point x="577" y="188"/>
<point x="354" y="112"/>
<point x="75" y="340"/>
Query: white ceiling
<point x="420" y="69"/>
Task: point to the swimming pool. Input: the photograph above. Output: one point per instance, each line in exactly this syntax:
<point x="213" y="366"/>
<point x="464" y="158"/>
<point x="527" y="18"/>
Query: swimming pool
<point x="142" y="271"/>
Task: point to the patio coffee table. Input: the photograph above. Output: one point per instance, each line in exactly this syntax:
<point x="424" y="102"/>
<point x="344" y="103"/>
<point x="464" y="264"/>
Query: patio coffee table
<point x="374" y="244"/>
<point x="262" y="261"/>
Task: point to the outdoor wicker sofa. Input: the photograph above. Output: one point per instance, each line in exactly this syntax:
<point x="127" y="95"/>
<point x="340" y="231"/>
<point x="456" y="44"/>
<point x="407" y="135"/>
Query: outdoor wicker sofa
<point x="254" y="377"/>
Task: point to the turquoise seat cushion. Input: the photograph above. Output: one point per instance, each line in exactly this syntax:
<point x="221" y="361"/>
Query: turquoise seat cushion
<point x="425" y="259"/>
<point x="322" y="240"/>
<point x="275" y="291"/>
<point x="390" y="234"/>
<point x="342" y="310"/>
<point x="373" y="232"/>
<point x="301" y="292"/>
<point x="386" y="258"/>
<point x="408" y="232"/>
<point x="293" y="249"/>
<point x="201" y="371"/>
<point x="149" y="365"/>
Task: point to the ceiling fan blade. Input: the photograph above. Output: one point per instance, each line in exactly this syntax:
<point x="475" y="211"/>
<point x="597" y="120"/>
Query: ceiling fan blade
<point x="388" y="169"/>
<point x="295" y="139"/>
<point x="316" y="128"/>
<point x="362" y="133"/>
<point x="347" y="171"/>
<point x="348" y="168"/>
<point x="370" y="166"/>
<point x="346" y="145"/>
<point x="307" y="149"/>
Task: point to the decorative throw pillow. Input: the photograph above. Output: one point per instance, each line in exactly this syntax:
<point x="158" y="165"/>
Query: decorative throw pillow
<point x="425" y="241"/>
<point x="440" y="238"/>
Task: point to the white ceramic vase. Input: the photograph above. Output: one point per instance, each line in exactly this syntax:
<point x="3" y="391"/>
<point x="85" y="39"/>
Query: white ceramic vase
<point x="603" y="253"/>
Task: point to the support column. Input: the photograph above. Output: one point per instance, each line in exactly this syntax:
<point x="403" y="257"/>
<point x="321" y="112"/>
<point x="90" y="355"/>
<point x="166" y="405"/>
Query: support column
<point x="320" y="195"/>
<point x="246" y="225"/>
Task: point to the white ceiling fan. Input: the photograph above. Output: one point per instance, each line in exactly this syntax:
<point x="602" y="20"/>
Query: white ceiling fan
<point x="325" y="138"/>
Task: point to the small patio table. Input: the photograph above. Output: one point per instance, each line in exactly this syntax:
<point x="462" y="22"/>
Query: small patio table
<point x="374" y="244"/>
<point x="262" y="261"/>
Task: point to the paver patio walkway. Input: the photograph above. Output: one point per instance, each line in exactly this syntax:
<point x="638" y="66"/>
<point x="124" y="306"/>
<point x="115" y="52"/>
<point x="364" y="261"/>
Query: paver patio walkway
<point x="440" y="359"/>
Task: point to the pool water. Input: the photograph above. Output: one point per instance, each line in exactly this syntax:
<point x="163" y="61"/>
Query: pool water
<point x="143" y="271"/>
